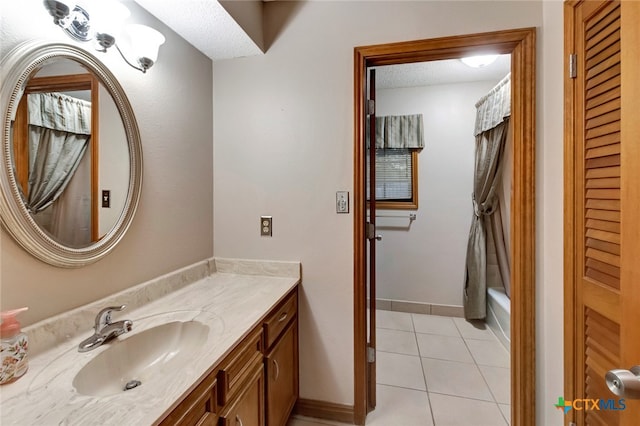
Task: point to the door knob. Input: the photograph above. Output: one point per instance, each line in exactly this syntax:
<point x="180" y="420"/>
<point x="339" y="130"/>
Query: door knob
<point x="379" y="237"/>
<point x="625" y="383"/>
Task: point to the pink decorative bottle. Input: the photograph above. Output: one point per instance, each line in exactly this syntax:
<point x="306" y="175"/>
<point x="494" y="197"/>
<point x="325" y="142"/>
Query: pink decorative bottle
<point x="14" y="346"/>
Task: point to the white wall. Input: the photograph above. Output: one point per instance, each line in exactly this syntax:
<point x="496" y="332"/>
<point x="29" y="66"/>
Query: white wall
<point x="426" y="261"/>
<point x="114" y="167"/>
<point x="173" y="226"/>
<point x="283" y="131"/>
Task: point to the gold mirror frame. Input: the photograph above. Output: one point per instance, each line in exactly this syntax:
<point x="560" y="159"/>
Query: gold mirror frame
<point x="15" y="70"/>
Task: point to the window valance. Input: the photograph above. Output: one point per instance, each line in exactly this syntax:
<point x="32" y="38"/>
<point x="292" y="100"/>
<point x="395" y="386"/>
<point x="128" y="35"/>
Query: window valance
<point x="400" y="131"/>
<point x="60" y="112"/>
<point x="494" y="107"/>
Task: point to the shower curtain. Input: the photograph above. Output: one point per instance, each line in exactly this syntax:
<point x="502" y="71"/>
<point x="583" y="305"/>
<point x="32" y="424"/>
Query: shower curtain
<point x="59" y="133"/>
<point x="491" y="130"/>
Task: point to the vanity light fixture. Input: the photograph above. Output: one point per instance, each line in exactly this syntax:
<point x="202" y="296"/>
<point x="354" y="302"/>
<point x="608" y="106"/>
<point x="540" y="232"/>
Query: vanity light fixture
<point x="479" y="61"/>
<point x="102" y="21"/>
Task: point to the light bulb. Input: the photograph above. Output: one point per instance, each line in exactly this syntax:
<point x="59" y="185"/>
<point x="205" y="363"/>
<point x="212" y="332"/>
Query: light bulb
<point x="479" y="61"/>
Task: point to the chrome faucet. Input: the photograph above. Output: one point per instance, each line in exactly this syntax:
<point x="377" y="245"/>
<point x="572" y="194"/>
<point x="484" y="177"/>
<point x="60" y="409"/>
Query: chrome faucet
<point x="105" y="330"/>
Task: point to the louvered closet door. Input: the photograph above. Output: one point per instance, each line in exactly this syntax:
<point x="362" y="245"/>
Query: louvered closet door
<point x="606" y="328"/>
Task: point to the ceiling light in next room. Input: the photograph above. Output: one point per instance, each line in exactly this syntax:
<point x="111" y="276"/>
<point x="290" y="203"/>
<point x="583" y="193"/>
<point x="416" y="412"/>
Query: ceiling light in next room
<point x="479" y="61"/>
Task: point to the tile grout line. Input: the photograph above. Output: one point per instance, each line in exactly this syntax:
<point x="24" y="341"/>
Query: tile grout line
<point x="474" y="362"/>
<point x="508" y="421"/>
<point x="465" y="397"/>
<point x="396" y="353"/>
<point x="482" y="375"/>
<point x="400" y="387"/>
<point x="424" y="374"/>
<point x="394" y="329"/>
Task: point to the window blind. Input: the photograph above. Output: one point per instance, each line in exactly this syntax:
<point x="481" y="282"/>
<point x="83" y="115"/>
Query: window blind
<point x="393" y="174"/>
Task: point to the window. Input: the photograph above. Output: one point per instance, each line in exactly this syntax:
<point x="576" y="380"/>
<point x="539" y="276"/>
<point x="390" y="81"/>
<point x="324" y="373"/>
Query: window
<point x="398" y="139"/>
<point x="396" y="178"/>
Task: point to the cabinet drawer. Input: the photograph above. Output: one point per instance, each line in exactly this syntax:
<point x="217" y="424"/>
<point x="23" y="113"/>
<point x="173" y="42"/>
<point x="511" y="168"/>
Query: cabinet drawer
<point x="236" y="367"/>
<point x="276" y="322"/>
<point x="198" y="408"/>
<point x="247" y="409"/>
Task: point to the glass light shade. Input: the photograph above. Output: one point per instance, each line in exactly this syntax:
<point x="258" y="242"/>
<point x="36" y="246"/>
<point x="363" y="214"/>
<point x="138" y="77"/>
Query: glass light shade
<point x="59" y="9"/>
<point x="479" y="61"/>
<point x="145" y="42"/>
<point x="107" y="16"/>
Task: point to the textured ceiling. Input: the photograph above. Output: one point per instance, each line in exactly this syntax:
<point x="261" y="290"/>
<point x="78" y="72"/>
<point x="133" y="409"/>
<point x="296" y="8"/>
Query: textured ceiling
<point x="439" y="72"/>
<point x="209" y="27"/>
<point x="206" y="25"/>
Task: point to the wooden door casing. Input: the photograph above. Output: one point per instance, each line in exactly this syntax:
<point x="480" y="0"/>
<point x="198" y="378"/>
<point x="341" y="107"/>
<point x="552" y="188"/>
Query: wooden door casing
<point x="521" y="44"/>
<point x="61" y="83"/>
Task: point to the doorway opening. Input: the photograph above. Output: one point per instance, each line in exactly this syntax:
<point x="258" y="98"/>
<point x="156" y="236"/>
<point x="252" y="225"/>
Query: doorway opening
<point x="520" y="44"/>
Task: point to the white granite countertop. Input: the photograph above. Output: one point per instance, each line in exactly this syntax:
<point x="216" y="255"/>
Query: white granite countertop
<point x="230" y="304"/>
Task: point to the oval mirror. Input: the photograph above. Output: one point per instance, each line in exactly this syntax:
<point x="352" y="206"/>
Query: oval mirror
<point x="71" y="171"/>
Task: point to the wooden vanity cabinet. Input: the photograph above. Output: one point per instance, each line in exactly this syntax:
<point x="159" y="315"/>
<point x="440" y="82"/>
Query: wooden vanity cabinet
<point x="256" y="384"/>
<point x="281" y="361"/>
<point x="282" y="376"/>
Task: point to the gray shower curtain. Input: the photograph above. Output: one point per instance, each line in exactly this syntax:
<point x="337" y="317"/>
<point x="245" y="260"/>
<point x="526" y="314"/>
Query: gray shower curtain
<point x="489" y="149"/>
<point x="59" y="133"/>
<point x="492" y="128"/>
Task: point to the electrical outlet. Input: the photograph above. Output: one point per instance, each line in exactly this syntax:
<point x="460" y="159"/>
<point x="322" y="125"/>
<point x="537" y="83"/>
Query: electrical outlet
<point x="342" y="202"/>
<point x="265" y="226"/>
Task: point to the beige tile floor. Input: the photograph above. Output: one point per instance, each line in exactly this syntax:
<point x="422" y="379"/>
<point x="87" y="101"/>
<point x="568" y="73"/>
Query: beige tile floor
<point x="436" y="371"/>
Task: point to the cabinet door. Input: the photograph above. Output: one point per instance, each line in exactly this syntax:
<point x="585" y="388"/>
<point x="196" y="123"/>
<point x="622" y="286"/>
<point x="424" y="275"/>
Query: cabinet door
<point x="282" y="377"/>
<point x="248" y="408"/>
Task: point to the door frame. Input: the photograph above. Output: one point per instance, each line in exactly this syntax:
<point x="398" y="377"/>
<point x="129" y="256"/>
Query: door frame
<point x="63" y="83"/>
<point x="521" y="44"/>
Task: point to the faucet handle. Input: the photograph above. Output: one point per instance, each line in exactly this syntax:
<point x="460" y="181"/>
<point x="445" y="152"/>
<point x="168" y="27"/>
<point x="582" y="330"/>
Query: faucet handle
<point x="104" y="316"/>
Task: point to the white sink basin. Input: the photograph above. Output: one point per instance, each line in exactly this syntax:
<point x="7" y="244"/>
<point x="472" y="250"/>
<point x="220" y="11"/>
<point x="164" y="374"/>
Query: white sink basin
<point x="141" y="357"/>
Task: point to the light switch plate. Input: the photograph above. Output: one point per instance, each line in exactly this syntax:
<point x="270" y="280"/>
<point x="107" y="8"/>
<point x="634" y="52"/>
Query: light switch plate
<point x="265" y="226"/>
<point x="106" y="198"/>
<point x="342" y="202"/>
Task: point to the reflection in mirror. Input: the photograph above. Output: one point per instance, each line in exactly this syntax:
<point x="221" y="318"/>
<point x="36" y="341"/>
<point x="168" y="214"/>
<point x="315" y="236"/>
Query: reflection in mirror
<point x="67" y="199"/>
<point x="70" y="154"/>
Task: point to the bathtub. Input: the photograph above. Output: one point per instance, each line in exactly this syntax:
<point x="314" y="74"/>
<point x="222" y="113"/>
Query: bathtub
<point x="499" y="315"/>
